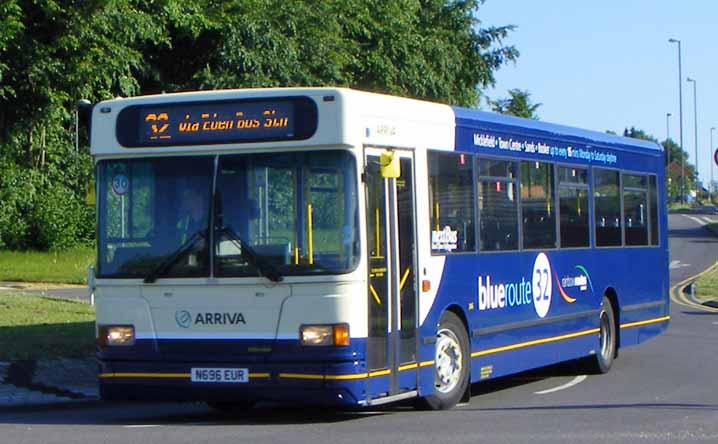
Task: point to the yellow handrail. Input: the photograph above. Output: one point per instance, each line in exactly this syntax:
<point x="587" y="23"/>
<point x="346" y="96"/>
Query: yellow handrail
<point x="310" y="236"/>
<point x="436" y="216"/>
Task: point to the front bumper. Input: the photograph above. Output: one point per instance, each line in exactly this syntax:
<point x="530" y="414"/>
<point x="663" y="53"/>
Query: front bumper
<point x="339" y="384"/>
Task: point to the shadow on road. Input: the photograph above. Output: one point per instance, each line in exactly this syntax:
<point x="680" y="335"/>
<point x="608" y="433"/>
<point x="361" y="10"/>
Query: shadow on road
<point x="198" y="414"/>
<point x="701" y="232"/>
<point x="699" y="313"/>
<point x="653" y="406"/>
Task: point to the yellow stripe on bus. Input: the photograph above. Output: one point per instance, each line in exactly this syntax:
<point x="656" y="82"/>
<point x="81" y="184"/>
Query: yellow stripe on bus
<point x="491" y="351"/>
<point x="164" y="375"/>
<point x="386" y="372"/>
<point x="144" y="375"/>
<point x="406" y="367"/>
<point x="646" y="322"/>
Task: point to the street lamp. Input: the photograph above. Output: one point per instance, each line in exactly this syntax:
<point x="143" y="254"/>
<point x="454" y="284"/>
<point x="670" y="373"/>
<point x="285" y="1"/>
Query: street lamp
<point x="695" y="123"/>
<point x="668" y="137"/>
<point x="710" y="160"/>
<point x="680" y="117"/>
<point x="82" y="104"/>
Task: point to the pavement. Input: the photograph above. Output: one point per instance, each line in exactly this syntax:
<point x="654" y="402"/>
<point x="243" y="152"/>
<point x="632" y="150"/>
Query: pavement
<point x="37" y="383"/>
<point x="47" y="382"/>
<point x="62" y="291"/>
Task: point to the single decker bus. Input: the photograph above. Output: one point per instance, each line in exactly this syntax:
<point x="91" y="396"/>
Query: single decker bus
<point x="350" y="249"/>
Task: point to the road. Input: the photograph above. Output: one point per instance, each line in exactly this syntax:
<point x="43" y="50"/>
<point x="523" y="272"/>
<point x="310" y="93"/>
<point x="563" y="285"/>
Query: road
<point x="663" y="391"/>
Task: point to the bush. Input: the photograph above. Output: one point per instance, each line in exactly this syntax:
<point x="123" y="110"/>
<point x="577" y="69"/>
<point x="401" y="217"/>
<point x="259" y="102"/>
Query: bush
<point x="61" y="220"/>
<point x="17" y="198"/>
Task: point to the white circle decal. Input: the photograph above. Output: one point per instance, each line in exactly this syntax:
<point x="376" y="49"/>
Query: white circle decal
<point x="542" y="285"/>
<point x="120" y="184"/>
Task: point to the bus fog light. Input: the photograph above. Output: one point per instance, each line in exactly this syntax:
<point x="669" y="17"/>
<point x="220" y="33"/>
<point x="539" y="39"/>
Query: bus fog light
<point x="116" y="335"/>
<point x="337" y="335"/>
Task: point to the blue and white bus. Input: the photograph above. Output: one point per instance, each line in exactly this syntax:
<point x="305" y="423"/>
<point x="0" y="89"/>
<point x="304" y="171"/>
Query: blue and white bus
<point x="346" y="248"/>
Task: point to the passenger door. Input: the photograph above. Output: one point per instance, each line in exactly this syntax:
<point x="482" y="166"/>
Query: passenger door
<point x="392" y="292"/>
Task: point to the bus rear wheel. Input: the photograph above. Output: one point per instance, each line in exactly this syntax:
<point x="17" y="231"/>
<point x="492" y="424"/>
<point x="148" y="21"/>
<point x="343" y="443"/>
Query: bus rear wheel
<point x="602" y="361"/>
<point x="451" y="364"/>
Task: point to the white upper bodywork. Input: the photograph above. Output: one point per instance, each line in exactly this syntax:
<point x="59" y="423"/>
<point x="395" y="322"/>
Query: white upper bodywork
<point x="347" y="119"/>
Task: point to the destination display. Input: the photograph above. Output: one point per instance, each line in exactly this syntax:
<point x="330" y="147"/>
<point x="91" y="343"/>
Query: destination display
<point x="241" y="121"/>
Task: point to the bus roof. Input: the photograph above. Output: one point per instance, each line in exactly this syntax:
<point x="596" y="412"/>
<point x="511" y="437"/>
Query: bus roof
<point x="535" y="128"/>
<point x="351" y="118"/>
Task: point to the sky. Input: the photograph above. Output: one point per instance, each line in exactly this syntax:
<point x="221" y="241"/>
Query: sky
<point x="608" y="65"/>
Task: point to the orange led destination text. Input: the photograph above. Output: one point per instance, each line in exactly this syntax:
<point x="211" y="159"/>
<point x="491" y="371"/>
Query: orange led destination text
<point x="230" y="124"/>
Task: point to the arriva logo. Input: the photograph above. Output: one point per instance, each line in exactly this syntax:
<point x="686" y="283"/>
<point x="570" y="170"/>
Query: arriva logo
<point x="185" y="319"/>
<point x="496" y="296"/>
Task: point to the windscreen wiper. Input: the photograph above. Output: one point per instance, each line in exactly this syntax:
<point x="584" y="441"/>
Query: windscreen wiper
<point x="172" y="259"/>
<point x="264" y="267"/>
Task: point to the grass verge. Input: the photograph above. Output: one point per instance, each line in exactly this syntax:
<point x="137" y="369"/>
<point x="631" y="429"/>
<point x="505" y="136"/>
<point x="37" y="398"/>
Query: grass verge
<point x="34" y="327"/>
<point x="678" y="206"/>
<point x="707" y="286"/>
<point x="61" y="267"/>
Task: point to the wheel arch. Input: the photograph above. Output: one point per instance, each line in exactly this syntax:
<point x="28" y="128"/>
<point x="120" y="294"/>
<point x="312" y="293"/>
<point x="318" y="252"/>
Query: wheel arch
<point x="458" y="311"/>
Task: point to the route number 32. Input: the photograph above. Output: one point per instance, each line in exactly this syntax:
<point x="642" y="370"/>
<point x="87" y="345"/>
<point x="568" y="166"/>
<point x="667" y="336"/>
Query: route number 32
<point x="542" y="285"/>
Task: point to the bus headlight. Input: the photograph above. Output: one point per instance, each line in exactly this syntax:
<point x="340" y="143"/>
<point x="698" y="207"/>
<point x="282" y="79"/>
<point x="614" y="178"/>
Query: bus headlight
<point x="115" y="335"/>
<point x="332" y="334"/>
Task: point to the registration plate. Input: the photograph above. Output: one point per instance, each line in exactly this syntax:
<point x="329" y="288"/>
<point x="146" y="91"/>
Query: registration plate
<point x="220" y="375"/>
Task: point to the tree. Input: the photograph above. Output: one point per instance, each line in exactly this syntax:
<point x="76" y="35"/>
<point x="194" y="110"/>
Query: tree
<point x="635" y="133"/>
<point x="519" y="104"/>
<point x="53" y="53"/>
<point x="678" y="169"/>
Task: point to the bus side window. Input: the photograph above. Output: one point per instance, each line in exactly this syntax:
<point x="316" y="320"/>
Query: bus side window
<point x="573" y="207"/>
<point x="451" y="199"/>
<point x="653" y="203"/>
<point x="607" y="204"/>
<point x="538" y="205"/>
<point x="498" y="205"/>
<point x="635" y="209"/>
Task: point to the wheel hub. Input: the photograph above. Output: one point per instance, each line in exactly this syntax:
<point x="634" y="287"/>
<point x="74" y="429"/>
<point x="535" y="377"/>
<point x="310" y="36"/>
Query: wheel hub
<point x="449" y="361"/>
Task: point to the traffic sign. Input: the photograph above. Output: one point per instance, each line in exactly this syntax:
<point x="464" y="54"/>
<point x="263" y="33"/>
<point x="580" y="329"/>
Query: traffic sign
<point x="715" y="156"/>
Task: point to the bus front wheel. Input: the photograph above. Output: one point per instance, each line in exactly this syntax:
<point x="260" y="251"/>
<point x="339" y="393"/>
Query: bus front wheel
<point x="451" y="364"/>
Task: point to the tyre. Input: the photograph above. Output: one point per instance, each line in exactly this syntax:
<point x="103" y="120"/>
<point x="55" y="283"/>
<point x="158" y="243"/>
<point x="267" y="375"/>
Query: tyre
<point x="607" y="340"/>
<point x="452" y="363"/>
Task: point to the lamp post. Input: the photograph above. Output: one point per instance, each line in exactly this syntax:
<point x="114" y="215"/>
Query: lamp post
<point x="710" y="154"/>
<point x="695" y="123"/>
<point x="82" y="104"/>
<point x="680" y="117"/>
<point x="668" y="136"/>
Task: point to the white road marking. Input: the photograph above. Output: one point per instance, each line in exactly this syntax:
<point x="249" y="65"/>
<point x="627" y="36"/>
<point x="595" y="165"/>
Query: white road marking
<point x="677" y="264"/>
<point x="695" y="219"/>
<point x="142" y="426"/>
<point x="707" y="219"/>
<point x="574" y="381"/>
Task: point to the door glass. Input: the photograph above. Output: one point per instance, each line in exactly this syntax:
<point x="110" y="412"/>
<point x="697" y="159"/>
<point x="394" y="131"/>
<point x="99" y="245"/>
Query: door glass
<point x="378" y="276"/>
<point x="407" y="291"/>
